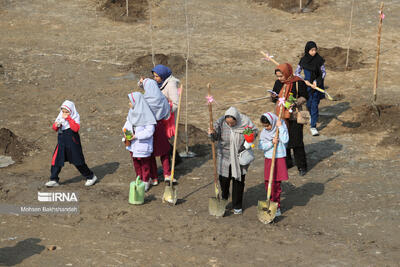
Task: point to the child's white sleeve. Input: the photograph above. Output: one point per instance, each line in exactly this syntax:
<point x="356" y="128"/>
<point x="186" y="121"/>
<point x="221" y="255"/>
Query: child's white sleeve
<point x="283" y="134"/>
<point x="265" y="145"/>
<point x="127" y="125"/>
<point x="146" y="133"/>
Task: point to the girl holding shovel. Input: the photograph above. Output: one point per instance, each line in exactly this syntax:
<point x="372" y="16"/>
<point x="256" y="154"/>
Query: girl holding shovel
<point x="270" y="123"/>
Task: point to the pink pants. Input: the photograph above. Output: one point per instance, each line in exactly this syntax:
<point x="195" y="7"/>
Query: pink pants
<point x="165" y="164"/>
<point x="276" y="191"/>
<point x="142" y="168"/>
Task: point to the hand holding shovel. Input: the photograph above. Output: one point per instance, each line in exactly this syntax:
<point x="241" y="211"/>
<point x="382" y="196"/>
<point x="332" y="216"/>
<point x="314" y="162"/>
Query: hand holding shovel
<point x="216" y="205"/>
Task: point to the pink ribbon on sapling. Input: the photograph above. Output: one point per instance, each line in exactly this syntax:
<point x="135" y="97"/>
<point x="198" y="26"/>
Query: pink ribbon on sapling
<point x="210" y="99"/>
<point x="281" y="101"/>
<point x="382" y="15"/>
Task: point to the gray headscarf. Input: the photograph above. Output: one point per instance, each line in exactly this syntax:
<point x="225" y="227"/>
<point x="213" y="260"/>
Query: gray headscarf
<point x="236" y="131"/>
<point x="140" y="114"/>
<point x="158" y="103"/>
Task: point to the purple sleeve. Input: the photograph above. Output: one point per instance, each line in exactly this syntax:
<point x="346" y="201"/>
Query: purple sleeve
<point x="298" y="71"/>
<point x="323" y="71"/>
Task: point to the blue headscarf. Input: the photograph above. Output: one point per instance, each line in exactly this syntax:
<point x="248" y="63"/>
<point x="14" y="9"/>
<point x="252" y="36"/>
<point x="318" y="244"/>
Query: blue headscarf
<point x="163" y="71"/>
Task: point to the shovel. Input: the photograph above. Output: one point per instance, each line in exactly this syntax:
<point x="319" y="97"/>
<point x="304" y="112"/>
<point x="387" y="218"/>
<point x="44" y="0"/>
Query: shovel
<point x="170" y="195"/>
<point x="269" y="58"/>
<point x="266" y="210"/>
<point x="216" y="205"/>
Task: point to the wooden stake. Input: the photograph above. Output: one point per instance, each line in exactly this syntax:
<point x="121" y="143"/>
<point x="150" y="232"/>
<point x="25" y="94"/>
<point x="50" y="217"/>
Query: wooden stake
<point x="151" y="35"/>
<point x="127" y="8"/>
<point x="186" y="76"/>
<point x="301" y="6"/>
<point x="348" y="43"/>
<point x="377" y="53"/>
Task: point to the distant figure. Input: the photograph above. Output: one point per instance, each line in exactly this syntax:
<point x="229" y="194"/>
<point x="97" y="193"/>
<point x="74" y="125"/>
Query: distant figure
<point x="314" y="74"/>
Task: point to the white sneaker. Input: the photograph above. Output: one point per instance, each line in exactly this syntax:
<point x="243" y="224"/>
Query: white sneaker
<point x="154" y="182"/>
<point x="278" y="213"/>
<point x="146" y="186"/>
<point x="168" y="179"/>
<point x="237" y="211"/>
<point x="314" y="131"/>
<point x="92" y="181"/>
<point x="52" y="183"/>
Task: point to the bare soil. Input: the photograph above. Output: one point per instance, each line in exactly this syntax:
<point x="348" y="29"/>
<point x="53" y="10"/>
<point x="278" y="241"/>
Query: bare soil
<point x="344" y="212"/>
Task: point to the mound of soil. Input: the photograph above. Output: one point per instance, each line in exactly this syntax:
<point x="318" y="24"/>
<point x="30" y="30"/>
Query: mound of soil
<point x="143" y="65"/>
<point x="292" y="6"/>
<point x="335" y="58"/>
<point x="198" y="140"/>
<point x="13" y="146"/>
<point x="116" y="10"/>
<point x="366" y="118"/>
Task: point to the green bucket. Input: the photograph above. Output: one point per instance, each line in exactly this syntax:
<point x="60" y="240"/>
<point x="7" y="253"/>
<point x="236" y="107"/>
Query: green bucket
<point x="136" y="192"/>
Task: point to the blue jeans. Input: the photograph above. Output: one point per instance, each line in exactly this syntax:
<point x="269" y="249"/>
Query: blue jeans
<point x="312" y="105"/>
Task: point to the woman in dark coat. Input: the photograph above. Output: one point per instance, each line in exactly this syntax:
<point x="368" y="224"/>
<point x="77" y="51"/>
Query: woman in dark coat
<point x="294" y="85"/>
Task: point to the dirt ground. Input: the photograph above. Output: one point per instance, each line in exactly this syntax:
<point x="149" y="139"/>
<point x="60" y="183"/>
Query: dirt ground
<point x="344" y="212"/>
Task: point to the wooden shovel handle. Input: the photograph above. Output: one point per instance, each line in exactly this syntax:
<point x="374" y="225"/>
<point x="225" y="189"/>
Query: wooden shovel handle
<point x="269" y="58"/>
<point x="176" y="135"/>
<point x="212" y="142"/>
<point x="271" y="172"/>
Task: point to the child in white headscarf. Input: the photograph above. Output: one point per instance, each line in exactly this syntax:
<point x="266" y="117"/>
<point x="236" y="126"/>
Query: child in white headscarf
<point x="268" y="138"/>
<point x="159" y="105"/>
<point x="69" y="146"/>
<point x="141" y="122"/>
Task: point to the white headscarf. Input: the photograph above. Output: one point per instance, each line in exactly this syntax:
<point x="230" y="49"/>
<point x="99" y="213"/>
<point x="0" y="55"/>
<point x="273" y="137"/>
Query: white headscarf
<point x="70" y="106"/>
<point x="140" y="114"/>
<point x="236" y="131"/>
<point x="158" y="103"/>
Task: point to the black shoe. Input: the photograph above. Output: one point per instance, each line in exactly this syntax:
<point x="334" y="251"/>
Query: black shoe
<point x="302" y="172"/>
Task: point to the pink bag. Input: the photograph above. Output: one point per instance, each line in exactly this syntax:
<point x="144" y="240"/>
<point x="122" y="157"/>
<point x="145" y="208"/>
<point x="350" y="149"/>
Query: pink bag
<point x="170" y="123"/>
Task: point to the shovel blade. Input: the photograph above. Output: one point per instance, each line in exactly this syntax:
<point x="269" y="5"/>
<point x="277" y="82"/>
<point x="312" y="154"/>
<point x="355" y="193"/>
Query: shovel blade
<point x="216" y="206"/>
<point x="170" y="195"/>
<point x="266" y="211"/>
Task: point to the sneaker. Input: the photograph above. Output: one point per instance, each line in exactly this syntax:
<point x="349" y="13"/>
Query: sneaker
<point x="302" y="172"/>
<point x="154" y="181"/>
<point x="314" y="131"/>
<point x="237" y="211"/>
<point x="167" y="179"/>
<point x="52" y="183"/>
<point x="90" y="182"/>
<point x="278" y="212"/>
<point x="146" y="186"/>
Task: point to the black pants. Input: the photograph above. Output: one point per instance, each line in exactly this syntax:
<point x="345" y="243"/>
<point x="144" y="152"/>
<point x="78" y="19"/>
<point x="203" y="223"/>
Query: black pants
<point x="237" y="189"/>
<point x="299" y="157"/>
<point x="83" y="169"/>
